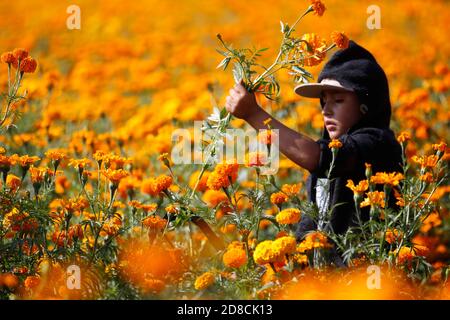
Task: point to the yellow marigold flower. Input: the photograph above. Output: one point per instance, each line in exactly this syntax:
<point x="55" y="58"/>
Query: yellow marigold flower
<point x="172" y="209"/>
<point x="375" y="198"/>
<point x="278" y="198"/>
<point x="204" y="281"/>
<point x="340" y="39"/>
<point x="154" y="222"/>
<point x="288" y="216"/>
<point x="28" y="65"/>
<point x="403" y="137"/>
<point x="359" y="190"/>
<point x="393" y="235"/>
<point x="20" y="53"/>
<point x="115" y="175"/>
<point x="264" y="253"/>
<point x="335" y="144"/>
<point x="285" y="245"/>
<point x="9" y="58"/>
<point x="426" y="161"/>
<point x="392" y="179"/>
<point x="234" y="257"/>
<point x="318" y="7"/>
<point x="99" y="155"/>
<point x="149" y="207"/>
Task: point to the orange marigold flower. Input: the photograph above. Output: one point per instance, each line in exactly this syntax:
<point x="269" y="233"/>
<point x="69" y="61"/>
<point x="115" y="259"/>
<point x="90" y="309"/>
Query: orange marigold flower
<point x="288" y="216"/>
<point x="375" y="198"/>
<point x="214" y="197"/>
<point x="20" y="53"/>
<point x="79" y="163"/>
<point x="13" y="182"/>
<point x="9" y="58"/>
<point x="427" y="177"/>
<point x="26" y="160"/>
<point x="426" y="161"/>
<point x="223" y="175"/>
<point x="154" y="186"/>
<point x="340" y="39"/>
<point x="403" y="137"/>
<point x="278" y="198"/>
<point x="441" y="147"/>
<point x="37" y="174"/>
<point x="171" y="208"/>
<point x="154" y="222"/>
<point x="335" y="144"/>
<point x="291" y="189"/>
<point x="32" y="282"/>
<point x="202" y="186"/>
<point x="318" y="7"/>
<point x="393" y="235"/>
<point x="56" y="154"/>
<point x="28" y="65"/>
<point x="234" y="257"/>
<point x="359" y="189"/>
<point x="204" y="281"/>
<point x="392" y="179"/>
<point x="115" y="175"/>
<point x="314" y="51"/>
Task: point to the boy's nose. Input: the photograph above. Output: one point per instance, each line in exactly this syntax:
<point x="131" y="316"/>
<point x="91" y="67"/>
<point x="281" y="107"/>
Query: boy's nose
<point x="327" y="110"/>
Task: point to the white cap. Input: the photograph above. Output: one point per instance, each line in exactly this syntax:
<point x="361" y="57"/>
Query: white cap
<point x="314" y="90"/>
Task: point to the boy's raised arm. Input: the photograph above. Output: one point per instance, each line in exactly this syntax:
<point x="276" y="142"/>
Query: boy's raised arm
<point x="299" y="148"/>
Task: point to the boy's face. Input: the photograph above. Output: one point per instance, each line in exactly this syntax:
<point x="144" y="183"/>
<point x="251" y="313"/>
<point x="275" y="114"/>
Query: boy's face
<point x="340" y="111"/>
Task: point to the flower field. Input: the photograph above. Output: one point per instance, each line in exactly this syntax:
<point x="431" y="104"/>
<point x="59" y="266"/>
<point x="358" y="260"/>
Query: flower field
<point x="93" y="207"/>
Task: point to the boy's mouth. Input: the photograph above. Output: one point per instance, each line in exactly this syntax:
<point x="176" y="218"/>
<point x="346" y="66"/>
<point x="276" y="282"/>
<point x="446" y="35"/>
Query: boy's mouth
<point x="330" y="125"/>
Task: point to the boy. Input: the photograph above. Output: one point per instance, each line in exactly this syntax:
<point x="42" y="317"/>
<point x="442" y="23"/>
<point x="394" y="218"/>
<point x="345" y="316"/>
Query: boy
<point x="354" y="95"/>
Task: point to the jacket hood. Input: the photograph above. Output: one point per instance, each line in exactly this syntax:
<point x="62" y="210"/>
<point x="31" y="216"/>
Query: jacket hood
<point x="356" y="68"/>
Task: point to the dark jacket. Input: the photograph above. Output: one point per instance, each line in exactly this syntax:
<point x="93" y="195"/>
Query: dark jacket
<point x="370" y="141"/>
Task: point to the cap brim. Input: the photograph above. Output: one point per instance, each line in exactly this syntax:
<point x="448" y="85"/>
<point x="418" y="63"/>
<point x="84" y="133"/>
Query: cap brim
<point x="314" y="90"/>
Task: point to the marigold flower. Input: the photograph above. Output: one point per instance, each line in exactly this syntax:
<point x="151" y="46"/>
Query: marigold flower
<point x="20" y="53"/>
<point x="32" y="282"/>
<point x="214" y="198"/>
<point x="9" y="58"/>
<point x="223" y="175"/>
<point x="392" y="179"/>
<point x="314" y="240"/>
<point x="318" y="7"/>
<point x="13" y="182"/>
<point x="154" y="186"/>
<point x="427" y="177"/>
<point x="115" y="175"/>
<point x="393" y="235"/>
<point x="441" y="147"/>
<point x="28" y="65"/>
<point x="79" y="163"/>
<point x="359" y="189"/>
<point x="26" y="160"/>
<point x="204" y="281"/>
<point x="234" y="257"/>
<point x="288" y="216"/>
<point x="291" y="189"/>
<point x="403" y="137"/>
<point x="335" y="144"/>
<point x="202" y="184"/>
<point x="278" y="198"/>
<point x="154" y="222"/>
<point x="426" y="161"/>
<point x="37" y="174"/>
<point x="315" y="51"/>
<point x="340" y="39"/>
<point x="375" y="198"/>
<point x="265" y="253"/>
<point x="172" y="209"/>
<point x="284" y="245"/>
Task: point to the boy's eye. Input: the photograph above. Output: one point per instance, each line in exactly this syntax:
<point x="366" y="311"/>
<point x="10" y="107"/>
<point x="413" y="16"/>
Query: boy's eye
<point x="339" y="100"/>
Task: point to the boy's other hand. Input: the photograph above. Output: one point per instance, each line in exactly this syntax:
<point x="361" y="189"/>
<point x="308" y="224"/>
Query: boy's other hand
<point x="241" y="103"/>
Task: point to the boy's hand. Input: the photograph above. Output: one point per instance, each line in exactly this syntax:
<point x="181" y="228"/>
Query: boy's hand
<point x="240" y="103"/>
